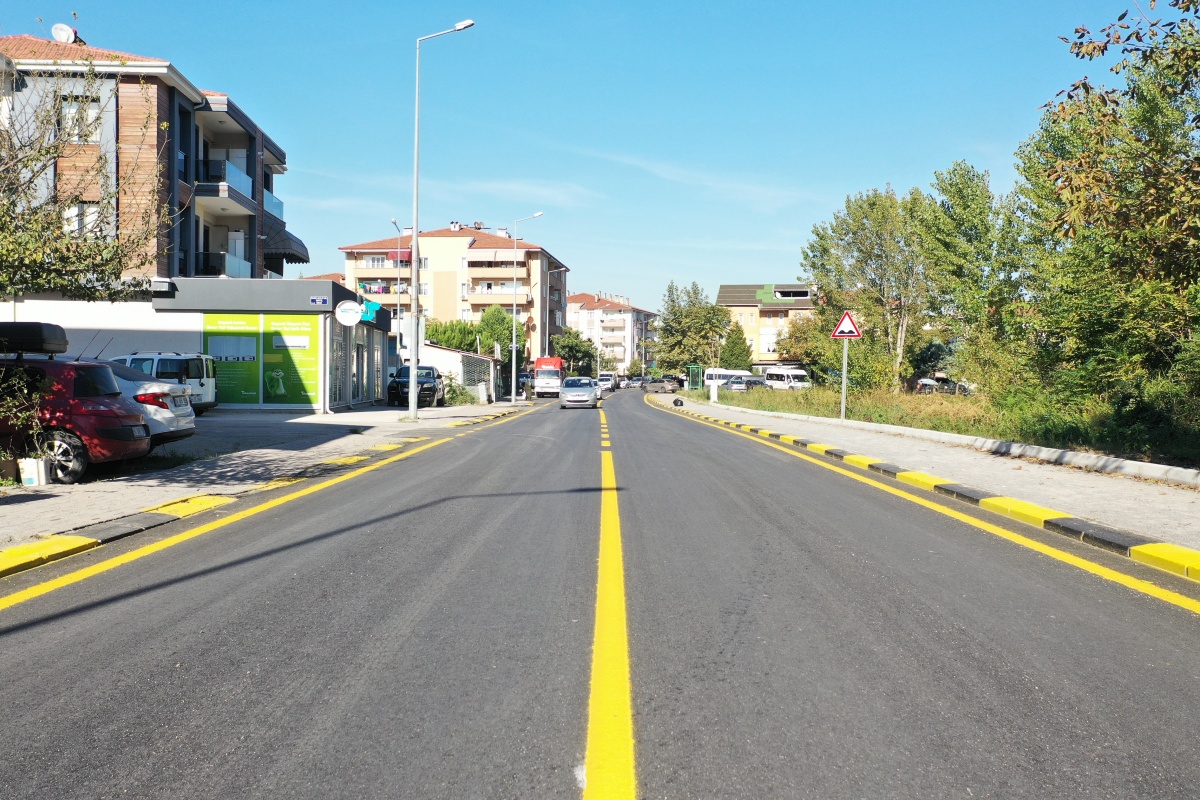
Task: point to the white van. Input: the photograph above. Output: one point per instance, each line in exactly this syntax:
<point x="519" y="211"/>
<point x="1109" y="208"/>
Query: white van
<point x="787" y="378"/>
<point x="197" y="370"/>
<point x="721" y="376"/>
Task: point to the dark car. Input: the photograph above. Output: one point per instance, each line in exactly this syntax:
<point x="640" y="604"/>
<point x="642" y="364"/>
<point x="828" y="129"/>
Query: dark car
<point x="83" y="417"/>
<point x="431" y="387"/>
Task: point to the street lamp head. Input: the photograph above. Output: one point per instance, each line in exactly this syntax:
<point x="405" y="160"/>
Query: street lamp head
<point x="393" y="220"/>
<point x="538" y="214"/>
<point x="466" y="23"/>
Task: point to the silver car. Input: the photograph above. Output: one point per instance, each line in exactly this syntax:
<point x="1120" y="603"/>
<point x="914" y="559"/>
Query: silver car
<point x="166" y="405"/>
<point x="577" y="392"/>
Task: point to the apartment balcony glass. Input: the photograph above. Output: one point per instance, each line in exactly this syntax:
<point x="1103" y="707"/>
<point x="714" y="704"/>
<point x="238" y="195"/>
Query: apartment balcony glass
<point x="228" y="172"/>
<point x="216" y="265"/>
<point x="272" y="204"/>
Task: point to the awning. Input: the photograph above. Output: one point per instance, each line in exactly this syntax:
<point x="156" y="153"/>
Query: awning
<point x="282" y="242"/>
<point x="399" y="255"/>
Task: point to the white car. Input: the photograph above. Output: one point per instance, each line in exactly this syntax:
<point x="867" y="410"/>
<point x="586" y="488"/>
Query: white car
<point x="167" y="406"/>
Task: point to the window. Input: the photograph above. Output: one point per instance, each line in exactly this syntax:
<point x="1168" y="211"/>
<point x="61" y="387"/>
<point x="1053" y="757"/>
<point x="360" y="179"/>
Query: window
<point x="375" y="262"/>
<point x="79" y="119"/>
<point x="82" y="219"/>
<point x="423" y="288"/>
<point x="466" y="315"/>
<point x="558" y="318"/>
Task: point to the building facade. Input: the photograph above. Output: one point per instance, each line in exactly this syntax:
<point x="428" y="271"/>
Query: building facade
<point x="618" y="329"/>
<point x="764" y="312"/>
<point x="192" y="155"/>
<point x="465" y="269"/>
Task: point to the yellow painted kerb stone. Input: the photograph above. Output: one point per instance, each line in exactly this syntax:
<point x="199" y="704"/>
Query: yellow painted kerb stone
<point x="1171" y="557"/>
<point x="861" y="461"/>
<point x="1021" y="511"/>
<point x="922" y="480"/>
<point x="33" y="554"/>
<point x="191" y="505"/>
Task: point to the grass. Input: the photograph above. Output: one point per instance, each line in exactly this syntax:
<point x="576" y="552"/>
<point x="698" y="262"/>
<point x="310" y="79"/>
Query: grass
<point x="1091" y="426"/>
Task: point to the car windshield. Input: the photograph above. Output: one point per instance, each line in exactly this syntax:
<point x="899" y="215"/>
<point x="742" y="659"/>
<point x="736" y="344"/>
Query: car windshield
<point x="422" y="372"/>
<point x="577" y="383"/>
<point x="548" y="373"/>
<point x="95" y="381"/>
<point x="128" y="373"/>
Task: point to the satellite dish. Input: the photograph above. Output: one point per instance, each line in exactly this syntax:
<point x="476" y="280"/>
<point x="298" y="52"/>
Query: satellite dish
<point x="64" y="33"/>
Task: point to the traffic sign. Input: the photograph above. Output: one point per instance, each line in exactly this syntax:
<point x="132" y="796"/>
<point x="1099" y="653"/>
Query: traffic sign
<point x="846" y="328"/>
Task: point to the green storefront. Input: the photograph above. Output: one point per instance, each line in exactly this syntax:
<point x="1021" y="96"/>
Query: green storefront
<point x="277" y="344"/>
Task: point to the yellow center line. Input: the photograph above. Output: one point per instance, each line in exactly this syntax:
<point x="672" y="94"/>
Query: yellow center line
<point x="40" y="589"/>
<point x="609" y="767"/>
<point x="1128" y="581"/>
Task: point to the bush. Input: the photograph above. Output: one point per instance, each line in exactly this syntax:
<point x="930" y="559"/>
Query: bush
<point x="457" y="394"/>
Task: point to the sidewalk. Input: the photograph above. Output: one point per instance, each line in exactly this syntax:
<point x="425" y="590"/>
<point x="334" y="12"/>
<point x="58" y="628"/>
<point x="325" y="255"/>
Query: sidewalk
<point x="238" y="451"/>
<point x="1158" y="511"/>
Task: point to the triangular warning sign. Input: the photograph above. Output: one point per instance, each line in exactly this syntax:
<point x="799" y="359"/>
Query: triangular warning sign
<point x="846" y="328"/>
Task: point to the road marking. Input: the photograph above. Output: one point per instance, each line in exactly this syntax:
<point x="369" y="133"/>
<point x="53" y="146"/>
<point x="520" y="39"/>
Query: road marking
<point x="609" y="767"/>
<point x="190" y="505"/>
<point x="16" y="598"/>
<point x="1100" y="571"/>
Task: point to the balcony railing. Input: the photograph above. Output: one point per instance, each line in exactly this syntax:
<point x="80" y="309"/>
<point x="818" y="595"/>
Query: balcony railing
<point x="272" y="204"/>
<point x="228" y="172"/>
<point x="215" y="265"/>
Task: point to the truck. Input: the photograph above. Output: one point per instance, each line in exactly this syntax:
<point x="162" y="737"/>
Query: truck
<point x="548" y="372"/>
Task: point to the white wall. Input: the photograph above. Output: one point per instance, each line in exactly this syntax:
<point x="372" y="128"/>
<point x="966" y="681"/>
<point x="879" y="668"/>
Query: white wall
<point x="111" y="329"/>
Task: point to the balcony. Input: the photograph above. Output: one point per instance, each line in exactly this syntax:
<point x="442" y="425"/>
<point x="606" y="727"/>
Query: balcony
<point x="498" y="272"/>
<point x="499" y="297"/>
<point x="272" y="204"/>
<point x="230" y="173"/>
<point x="222" y="265"/>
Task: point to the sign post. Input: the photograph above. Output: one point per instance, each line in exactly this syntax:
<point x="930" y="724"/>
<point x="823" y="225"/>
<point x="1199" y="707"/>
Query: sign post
<point x="846" y="330"/>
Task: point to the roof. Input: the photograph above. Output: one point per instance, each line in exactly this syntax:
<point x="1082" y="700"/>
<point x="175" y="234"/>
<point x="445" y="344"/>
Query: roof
<point x="765" y="295"/>
<point x="590" y="302"/>
<point x="328" y="276"/>
<point x="23" y="46"/>
<point x="482" y="241"/>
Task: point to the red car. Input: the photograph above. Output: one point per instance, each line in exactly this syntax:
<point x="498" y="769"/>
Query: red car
<point x="84" y="418"/>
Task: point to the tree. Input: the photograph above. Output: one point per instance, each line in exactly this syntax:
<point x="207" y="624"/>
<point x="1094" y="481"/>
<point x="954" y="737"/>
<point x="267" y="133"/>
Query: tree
<point x="636" y="367"/>
<point x="62" y="196"/>
<point x="735" y="353"/>
<point x="690" y="329"/>
<point x="578" y="353"/>
<point x="871" y="257"/>
<point x="457" y="334"/>
<point x="495" y="326"/>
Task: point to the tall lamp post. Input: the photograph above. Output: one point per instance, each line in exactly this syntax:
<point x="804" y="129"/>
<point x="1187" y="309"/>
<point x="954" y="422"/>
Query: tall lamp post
<point x="512" y="348"/>
<point x="414" y="326"/>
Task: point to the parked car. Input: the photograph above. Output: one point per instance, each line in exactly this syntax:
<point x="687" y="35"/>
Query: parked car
<point x="577" y="392"/>
<point x="167" y="406"/>
<point x="431" y="387"/>
<point x="198" y="371"/>
<point x="743" y="383"/>
<point x="84" y="418"/>
<point x="636" y="383"/>
<point x="660" y="385"/>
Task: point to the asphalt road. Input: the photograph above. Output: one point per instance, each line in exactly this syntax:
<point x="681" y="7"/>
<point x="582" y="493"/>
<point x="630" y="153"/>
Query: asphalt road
<point x="425" y="629"/>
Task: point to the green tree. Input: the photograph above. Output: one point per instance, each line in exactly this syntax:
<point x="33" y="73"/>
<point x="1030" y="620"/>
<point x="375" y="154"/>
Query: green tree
<point x="871" y="258"/>
<point x="735" y="353"/>
<point x="578" y="353"/>
<point x="495" y="326"/>
<point x="458" y="334"/>
<point x="636" y="367"/>
<point x="690" y="329"/>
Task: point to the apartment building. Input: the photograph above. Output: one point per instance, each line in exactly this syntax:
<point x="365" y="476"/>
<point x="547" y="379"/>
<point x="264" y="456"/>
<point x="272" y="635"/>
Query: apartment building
<point x="764" y="311"/>
<point x="617" y="328"/>
<point x="174" y="147"/>
<point x="465" y="269"/>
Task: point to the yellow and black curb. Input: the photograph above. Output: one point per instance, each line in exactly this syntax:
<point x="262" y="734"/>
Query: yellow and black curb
<point x="1182" y="561"/>
<point x="485" y="418"/>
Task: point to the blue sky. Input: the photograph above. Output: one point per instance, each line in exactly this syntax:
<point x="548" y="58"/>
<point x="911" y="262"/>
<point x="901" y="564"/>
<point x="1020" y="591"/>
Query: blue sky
<point x="664" y="141"/>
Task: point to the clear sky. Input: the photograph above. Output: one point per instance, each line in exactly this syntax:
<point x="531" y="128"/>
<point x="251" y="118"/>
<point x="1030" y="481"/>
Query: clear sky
<point x="664" y="140"/>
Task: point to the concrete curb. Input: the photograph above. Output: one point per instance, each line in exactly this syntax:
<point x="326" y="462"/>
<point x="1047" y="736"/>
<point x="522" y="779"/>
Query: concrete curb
<point x="1070" y="458"/>
<point x="1179" y="560"/>
<point x="60" y="545"/>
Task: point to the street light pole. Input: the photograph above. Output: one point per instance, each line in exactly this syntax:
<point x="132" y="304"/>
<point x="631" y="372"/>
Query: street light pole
<point x="414" y="323"/>
<point x="512" y="348"/>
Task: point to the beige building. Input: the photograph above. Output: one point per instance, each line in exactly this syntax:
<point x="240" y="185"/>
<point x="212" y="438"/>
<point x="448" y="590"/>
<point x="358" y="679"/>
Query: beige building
<point x="764" y="311"/>
<point x="617" y="328"/>
<point x="465" y="269"/>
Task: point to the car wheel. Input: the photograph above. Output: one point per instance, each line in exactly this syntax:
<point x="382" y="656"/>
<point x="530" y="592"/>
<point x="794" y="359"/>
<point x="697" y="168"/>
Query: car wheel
<point x="68" y="457"/>
<point x="200" y="412"/>
<point x="562" y="405"/>
<point x="441" y="401"/>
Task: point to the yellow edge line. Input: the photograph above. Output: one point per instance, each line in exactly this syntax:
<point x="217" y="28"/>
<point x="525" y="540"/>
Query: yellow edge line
<point x="1128" y="581"/>
<point x="40" y="589"/>
<point x="609" y="767"/>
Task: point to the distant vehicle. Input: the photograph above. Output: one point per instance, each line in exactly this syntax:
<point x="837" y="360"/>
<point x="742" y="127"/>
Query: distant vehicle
<point x="166" y="405"/>
<point x="607" y="381"/>
<point x="743" y="383"/>
<point x="577" y="392"/>
<point x="787" y="378"/>
<point x="720" y="376"/>
<point x="636" y="382"/>
<point x="660" y="385"/>
<point x="548" y="374"/>
<point x="623" y="383"/>
<point x="431" y="387"/>
<point x="196" y="370"/>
